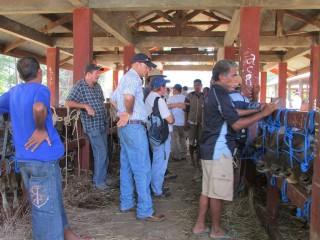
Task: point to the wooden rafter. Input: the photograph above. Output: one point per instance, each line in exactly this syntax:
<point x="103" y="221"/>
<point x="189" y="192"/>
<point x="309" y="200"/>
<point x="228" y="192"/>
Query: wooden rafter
<point x="279" y="23"/>
<point x="302" y="17"/>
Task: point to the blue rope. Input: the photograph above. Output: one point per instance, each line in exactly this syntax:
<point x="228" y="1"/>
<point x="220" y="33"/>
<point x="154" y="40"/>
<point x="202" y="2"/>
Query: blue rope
<point x="305" y="214"/>
<point x="284" y="191"/>
<point x="299" y="213"/>
<point x="272" y="181"/>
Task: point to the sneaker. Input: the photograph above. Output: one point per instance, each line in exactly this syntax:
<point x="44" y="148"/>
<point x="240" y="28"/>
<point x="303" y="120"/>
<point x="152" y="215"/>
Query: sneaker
<point x="102" y="188"/>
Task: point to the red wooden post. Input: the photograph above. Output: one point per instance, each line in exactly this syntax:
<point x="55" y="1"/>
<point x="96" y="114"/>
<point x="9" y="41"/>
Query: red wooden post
<point x="82" y="41"/>
<point x="53" y="58"/>
<point x="115" y="79"/>
<point x="315" y="206"/>
<point x="127" y="57"/>
<point x="249" y="48"/>
<point x="314" y="76"/>
<point x="230" y="53"/>
<point x="82" y="56"/>
<point x="282" y="93"/>
<point x="263" y="87"/>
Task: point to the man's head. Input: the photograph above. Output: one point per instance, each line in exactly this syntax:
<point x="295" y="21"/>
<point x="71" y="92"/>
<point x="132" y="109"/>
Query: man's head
<point x="29" y="69"/>
<point x="197" y="84"/>
<point x="152" y="74"/>
<point x="92" y="73"/>
<point x="158" y="84"/>
<point x="185" y="89"/>
<point x="224" y="73"/>
<point x="177" y="89"/>
<point x="205" y="90"/>
<point x="142" y="64"/>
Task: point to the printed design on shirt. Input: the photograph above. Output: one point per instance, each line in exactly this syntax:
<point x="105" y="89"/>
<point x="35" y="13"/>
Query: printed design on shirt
<point x="38" y="195"/>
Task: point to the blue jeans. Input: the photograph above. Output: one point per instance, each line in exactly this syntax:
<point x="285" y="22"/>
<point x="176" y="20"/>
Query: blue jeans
<point x="159" y="165"/>
<point x="99" y="145"/>
<point x="44" y="188"/>
<point x="135" y="169"/>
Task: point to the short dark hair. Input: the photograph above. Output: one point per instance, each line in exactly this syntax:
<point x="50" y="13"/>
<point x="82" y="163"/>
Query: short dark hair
<point x="185" y="88"/>
<point x="222" y="67"/>
<point x="28" y="68"/>
<point x="197" y="81"/>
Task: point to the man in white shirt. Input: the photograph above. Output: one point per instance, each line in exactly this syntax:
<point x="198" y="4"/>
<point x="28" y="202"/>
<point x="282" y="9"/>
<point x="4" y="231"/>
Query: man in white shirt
<point x="161" y="152"/>
<point x="178" y="135"/>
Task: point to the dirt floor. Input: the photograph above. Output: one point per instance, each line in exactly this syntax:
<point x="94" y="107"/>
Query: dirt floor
<point x="95" y="214"/>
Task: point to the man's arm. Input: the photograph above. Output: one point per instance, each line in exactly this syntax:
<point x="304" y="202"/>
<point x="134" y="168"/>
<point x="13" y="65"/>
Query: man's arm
<point x="247" y="121"/>
<point x="40" y="133"/>
<point x="244" y="112"/>
<point x="125" y="116"/>
<point x="177" y="105"/>
<point x="170" y="119"/>
<point x="73" y="104"/>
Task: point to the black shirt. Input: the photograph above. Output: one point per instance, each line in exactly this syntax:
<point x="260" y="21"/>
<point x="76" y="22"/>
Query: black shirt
<point x="218" y="137"/>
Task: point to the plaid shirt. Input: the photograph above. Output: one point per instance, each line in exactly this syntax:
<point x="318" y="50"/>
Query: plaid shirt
<point x="83" y="93"/>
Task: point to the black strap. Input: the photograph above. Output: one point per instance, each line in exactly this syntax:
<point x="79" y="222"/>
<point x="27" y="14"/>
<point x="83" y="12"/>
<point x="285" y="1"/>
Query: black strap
<point x="155" y="108"/>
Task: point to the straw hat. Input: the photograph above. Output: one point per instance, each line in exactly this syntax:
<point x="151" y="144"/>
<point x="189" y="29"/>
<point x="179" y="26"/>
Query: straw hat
<point x="154" y="72"/>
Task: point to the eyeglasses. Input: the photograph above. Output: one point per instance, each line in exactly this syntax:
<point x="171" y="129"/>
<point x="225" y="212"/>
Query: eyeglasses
<point x="145" y="65"/>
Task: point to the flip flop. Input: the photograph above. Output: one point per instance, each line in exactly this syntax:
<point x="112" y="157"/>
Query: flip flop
<point x="229" y="235"/>
<point x="204" y="233"/>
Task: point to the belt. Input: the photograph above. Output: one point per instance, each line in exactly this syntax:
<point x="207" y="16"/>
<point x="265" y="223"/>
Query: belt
<point x="137" y="122"/>
<point x="193" y="123"/>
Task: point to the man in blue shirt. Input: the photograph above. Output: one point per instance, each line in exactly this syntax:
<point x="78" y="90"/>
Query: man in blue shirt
<point x="38" y="149"/>
<point x="135" y="170"/>
<point x="221" y="121"/>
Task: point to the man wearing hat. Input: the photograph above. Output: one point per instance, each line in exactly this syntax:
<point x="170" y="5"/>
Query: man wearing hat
<point x="87" y="96"/>
<point x="178" y="135"/>
<point x="152" y="74"/>
<point x="161" y="152"/>
<point x="135" y="170"/>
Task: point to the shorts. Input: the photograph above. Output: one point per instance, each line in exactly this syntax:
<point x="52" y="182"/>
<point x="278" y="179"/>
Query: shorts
<point x="217" y="180"/>
<point x="195" y="134"/>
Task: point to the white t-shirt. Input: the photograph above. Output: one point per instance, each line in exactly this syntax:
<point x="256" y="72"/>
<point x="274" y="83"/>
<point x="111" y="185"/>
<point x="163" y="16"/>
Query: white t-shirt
<point x="163" y="107"/>
<point x="178" y="113"/>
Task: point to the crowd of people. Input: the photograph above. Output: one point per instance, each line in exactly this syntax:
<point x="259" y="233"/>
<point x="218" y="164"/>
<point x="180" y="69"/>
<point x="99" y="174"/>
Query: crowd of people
<point x="205" y="122"/>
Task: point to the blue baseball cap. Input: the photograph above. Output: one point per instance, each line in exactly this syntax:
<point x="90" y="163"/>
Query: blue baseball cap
<point x="159" y="81"/>
<point x="140" y="57"/>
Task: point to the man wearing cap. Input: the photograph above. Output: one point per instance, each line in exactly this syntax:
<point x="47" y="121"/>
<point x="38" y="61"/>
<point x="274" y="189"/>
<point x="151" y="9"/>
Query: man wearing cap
<point x="193" y="116"/>
<point x="87" y="96"/>
<point x="178" y="135"/>
<point x="147" y="89"/>
<point x="160" y="153"/>
<point x="135" y="169"/>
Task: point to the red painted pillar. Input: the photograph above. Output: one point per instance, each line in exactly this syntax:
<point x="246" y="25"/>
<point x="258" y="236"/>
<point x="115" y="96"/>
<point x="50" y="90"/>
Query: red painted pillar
<point x="282" y="92"/>
<point x="314" y="76"/>
<point x="315" y="207"/>
<point x="82" y="41"/>
<point x="53" y="58"/>
<point x="249" y="48"/>
<point x="127" y="57"/>
<point x="82" y="56"/>
<point x="115" y="79"/>
<point x="263" y="87"/>
<point x="230" y="53"/>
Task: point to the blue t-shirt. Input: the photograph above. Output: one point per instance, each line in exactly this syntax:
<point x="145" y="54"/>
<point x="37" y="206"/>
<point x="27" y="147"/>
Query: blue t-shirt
<point x="18" y="102"/>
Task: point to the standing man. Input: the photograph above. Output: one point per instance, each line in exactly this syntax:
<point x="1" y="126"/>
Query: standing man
<point x="152" y="74"/>
<point x="87" y="95"/>
<point x="193" y="116"/>
<point x="221" y="123"/>
<point x="135" y="169"/>
<point x="178" y="135"/>
<point x="184" y="90"/>
<point x="38" y="150"/>
<point x="160" y="153"/>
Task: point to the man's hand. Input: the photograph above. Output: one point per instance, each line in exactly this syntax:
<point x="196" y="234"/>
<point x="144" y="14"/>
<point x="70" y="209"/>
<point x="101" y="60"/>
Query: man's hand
<point x="89" y="110"/>
<point x="262" y="106"/>
<point x="269" y="108"/>
<point x="124" y="118"/>
<point x="37" y="137"/>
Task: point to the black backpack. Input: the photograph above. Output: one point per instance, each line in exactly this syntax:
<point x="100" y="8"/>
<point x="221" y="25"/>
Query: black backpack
<point x="158" y="129"/>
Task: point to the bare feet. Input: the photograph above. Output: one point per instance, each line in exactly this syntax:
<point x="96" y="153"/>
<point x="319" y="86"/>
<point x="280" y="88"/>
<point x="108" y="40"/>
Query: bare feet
<point x="199" y="229"/>
<point x="69" y="235"/>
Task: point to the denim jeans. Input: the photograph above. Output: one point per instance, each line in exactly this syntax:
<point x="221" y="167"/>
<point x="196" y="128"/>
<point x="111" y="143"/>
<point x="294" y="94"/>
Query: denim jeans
<point x="135" y="169"/>
<point x="159" y="165"/>
<point x="44" y="188"/>
<point x="99" y="145"/>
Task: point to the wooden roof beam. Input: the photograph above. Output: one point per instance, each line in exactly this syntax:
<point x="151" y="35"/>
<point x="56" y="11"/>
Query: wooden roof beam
<point x="302" y="18"/>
